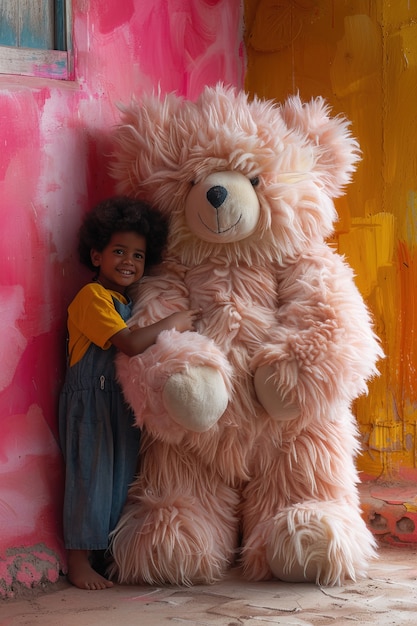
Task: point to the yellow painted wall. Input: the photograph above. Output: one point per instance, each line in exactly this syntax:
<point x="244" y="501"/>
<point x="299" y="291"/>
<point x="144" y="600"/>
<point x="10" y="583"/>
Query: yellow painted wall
<point x="361" y="55"/>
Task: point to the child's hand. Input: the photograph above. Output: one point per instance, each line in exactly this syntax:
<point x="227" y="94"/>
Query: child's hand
<point x="184" y="320"/>
<point x="135" y="340"/>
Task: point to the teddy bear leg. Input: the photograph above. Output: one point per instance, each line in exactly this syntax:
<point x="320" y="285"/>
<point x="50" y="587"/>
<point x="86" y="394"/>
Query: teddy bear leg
<point x="322" y="542"/>
<point x="301" y="514"/>
<point x="319" y="542"/>
<point x="179" y="526"/>
<point x="173" y="539"/>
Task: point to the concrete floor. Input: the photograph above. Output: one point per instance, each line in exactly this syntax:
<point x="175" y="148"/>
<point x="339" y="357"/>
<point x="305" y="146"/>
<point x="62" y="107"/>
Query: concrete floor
<point x="388" y="597"/>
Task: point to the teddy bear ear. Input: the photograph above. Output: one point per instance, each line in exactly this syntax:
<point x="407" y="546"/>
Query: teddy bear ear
<point x="336" y="151"/>
<point x="140" y="141"/>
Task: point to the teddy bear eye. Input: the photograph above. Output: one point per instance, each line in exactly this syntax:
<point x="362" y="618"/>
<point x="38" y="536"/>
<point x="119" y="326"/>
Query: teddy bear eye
<point x="255" y="181"/>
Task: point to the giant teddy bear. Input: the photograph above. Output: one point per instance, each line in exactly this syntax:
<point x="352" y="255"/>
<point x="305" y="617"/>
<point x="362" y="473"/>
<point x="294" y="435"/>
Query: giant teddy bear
<point x="249" y="443"/>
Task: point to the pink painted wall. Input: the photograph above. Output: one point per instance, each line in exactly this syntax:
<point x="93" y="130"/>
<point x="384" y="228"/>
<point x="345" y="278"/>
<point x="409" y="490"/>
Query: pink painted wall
<point x="54" y="146"/>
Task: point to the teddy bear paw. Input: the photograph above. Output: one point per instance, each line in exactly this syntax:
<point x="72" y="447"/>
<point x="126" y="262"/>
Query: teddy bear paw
<point x="196" y="398"/>
<point x="270" y="397"/>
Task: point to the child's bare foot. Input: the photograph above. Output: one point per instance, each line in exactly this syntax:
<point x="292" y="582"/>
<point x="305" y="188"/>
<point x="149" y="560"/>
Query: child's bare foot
<point x="82" y="575"/>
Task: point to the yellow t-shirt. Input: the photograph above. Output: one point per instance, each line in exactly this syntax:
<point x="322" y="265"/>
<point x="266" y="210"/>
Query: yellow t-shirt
<point x="92" y="318"/>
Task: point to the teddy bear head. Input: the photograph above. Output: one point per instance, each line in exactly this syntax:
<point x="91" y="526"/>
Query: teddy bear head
<point x="240" y="179"/>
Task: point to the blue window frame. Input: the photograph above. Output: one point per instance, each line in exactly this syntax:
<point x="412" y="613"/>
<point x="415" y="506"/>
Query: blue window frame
<point x="35" y="38"/>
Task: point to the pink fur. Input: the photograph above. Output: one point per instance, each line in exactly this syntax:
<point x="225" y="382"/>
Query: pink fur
<point x="282" y="320"/>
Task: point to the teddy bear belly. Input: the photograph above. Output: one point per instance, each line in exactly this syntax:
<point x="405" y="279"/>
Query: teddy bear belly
<point x="241" y="433"/>
<point x="238" y="330"/>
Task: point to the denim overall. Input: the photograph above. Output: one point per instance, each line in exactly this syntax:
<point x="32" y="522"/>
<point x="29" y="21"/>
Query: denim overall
<point x="100" y="446"/>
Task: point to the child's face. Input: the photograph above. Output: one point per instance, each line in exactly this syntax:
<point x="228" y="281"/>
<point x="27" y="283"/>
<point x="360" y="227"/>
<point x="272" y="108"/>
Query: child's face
<point x="122" y="262"/>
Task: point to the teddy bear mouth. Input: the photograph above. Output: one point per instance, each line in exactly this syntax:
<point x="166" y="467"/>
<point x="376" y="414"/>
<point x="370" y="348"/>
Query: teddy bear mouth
<point x="219" y="230"/>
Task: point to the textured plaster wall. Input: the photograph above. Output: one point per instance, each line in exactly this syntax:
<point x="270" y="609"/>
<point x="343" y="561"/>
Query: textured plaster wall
<point x="54" y="152"/>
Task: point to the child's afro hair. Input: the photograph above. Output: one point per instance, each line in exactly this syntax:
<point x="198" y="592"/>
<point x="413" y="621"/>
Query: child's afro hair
<point x="122" y="214"/>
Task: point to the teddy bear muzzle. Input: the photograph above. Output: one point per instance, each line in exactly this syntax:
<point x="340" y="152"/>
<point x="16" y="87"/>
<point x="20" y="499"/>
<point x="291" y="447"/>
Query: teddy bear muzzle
<point x="224" y="207"/>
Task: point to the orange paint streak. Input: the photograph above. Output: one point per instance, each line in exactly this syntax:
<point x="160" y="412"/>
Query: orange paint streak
<point x="407" y="324"/>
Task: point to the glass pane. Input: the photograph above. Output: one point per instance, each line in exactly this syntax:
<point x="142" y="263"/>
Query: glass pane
<point x="36" y="24"/>
<point x="60" y="25"/>
<point x="9" y="20"/>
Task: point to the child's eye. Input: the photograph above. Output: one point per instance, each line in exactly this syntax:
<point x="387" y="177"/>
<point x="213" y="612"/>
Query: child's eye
<point x="139" y="256"/>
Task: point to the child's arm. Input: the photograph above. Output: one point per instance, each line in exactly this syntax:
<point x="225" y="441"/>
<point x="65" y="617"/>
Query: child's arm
<point x="132" y="341"/>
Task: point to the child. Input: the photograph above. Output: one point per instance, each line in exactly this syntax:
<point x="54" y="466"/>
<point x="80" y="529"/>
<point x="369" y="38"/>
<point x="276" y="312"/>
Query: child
<point x="119" y="240"/>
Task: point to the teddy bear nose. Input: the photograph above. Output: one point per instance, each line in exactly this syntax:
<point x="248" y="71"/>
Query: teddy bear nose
<point x="216" y="195"/>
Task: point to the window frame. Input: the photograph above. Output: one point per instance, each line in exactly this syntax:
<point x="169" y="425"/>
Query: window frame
<point x="57" y="64"/>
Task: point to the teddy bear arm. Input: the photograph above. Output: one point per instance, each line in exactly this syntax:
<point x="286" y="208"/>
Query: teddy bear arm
<point x="312" y="371"/>
<point x="183" y="382"/>
<point x="323" y="350"/>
